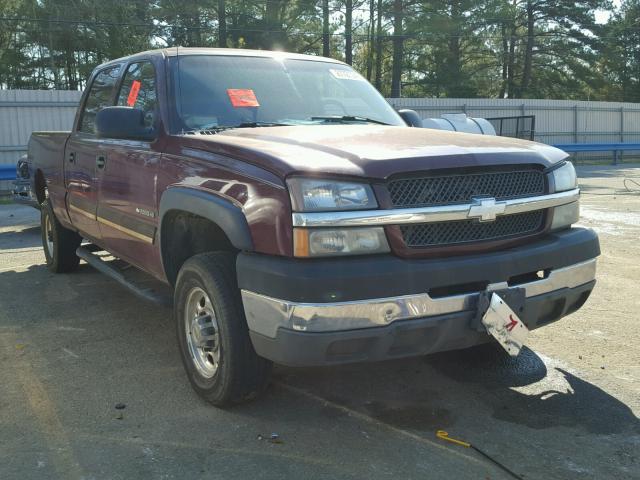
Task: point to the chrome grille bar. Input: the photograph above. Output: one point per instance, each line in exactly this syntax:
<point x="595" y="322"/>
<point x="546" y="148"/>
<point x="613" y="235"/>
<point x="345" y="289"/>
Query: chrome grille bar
<point x="444" y="213"/>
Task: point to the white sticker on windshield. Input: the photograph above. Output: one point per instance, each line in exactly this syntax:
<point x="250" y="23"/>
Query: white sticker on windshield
<point x="346" y="74"/>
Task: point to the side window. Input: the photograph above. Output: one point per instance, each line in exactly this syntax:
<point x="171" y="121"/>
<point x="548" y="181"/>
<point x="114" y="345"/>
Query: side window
<point x="100" y="96"/>
<point x="138" y="90"/>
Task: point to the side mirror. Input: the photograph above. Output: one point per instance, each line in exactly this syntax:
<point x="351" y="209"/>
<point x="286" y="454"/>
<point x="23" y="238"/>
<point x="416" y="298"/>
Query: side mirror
<point x="123" y="122"/>
<point x="410" y="117"/>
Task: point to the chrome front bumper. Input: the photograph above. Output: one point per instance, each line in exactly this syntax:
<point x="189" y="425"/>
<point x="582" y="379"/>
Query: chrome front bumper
<point x="265" y="315"/>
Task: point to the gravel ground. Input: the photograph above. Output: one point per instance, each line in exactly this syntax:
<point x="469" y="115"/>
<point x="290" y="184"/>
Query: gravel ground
<point x="74" y="346"/>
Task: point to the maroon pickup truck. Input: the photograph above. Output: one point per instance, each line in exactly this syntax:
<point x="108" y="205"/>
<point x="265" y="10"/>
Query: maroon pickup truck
<point x="298" y="218"/>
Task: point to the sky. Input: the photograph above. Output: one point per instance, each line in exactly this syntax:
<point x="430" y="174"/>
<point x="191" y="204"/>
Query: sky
<point x="602" y="16"/>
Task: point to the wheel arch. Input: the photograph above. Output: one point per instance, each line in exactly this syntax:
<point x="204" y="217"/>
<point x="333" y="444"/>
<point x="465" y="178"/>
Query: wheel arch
<point x="39" y="186"/>
<point x="193" y="221"/>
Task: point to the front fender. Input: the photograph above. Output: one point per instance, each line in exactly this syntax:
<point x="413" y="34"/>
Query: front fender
<point x="222" y="212"/>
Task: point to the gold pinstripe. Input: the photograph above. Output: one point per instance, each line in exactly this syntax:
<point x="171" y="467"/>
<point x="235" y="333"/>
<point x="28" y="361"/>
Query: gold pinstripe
<point x="104" y="221"/>
<point x="82" y="212"/>
<point x="126" y="230"/>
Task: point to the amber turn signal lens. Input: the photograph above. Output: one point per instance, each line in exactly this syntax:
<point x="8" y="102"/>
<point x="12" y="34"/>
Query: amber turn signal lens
<point x="300" y="242"/>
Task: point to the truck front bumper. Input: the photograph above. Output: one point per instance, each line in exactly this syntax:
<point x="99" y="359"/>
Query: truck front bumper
<point x="328" y="311"/>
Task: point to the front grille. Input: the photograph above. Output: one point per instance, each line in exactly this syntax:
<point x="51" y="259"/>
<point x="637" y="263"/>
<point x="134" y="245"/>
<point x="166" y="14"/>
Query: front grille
<point x="462" y="188"/>
<point x="466" y="231"/>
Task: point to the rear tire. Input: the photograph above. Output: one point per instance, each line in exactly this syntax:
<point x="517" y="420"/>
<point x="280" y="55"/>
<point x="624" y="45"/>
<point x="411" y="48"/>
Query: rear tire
<point x="212" y="332"/>
<point x="59" y="243"/>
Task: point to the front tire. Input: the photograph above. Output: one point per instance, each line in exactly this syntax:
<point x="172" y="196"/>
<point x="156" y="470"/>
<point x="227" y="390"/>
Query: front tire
<point x="59" y="243"/>
<point x="212" y="332"/>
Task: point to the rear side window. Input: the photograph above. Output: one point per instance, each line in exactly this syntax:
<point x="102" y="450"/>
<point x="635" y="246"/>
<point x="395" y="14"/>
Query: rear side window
<point x="138" y="90"/>
<point x="100" y="96"/>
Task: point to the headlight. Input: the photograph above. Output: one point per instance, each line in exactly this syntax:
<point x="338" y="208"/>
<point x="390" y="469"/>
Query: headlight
<point x="344" y="241"/>
<point x="565" y="215"/>
<point x="311" y="195"/>
<point x="564" y="177"/>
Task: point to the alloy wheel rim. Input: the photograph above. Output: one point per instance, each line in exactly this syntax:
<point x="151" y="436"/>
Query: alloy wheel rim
<point x="48" y="232"/>
<point x="202" y="333"/>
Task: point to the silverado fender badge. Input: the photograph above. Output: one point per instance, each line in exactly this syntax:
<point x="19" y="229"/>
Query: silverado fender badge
<point x="486" y="209"/>
<point x="146" y="213"/>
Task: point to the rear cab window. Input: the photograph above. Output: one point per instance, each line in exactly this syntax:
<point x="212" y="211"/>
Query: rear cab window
<point x="100" y="96"/>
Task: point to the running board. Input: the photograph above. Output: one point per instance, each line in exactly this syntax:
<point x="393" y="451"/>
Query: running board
<point x="85" y="253"/>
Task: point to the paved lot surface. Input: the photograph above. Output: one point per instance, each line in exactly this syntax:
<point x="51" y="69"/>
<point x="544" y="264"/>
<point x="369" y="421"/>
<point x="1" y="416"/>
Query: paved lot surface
<point x="73" y="346"/>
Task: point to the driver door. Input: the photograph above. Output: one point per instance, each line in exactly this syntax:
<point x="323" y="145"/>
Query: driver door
<point x="127" y="210"/>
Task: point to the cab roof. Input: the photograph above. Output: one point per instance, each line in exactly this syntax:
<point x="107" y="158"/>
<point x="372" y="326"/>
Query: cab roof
<point x="238" y="52"/>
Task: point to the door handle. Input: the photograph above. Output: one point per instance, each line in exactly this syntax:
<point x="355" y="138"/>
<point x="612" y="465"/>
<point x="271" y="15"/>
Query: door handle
<point x="101" y="161"/>
<point x="72" y="157"/>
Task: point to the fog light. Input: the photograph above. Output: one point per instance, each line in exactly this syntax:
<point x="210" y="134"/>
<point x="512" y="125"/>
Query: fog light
<point x="565" y="215"/>
<point x="345" y="241"/>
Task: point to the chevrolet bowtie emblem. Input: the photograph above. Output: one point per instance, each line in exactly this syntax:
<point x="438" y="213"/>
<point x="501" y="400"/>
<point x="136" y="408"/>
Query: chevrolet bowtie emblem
<point x="486" y="209"/>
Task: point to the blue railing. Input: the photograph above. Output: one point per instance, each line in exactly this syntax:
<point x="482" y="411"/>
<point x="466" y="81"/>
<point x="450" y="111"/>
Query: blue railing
<point x="616" y="148"/>
<point x="7" y="172"/>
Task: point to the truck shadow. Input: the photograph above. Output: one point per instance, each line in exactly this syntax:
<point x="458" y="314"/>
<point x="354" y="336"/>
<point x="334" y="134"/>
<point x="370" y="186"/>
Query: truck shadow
<point x="536" y="391"/>
<point x="468" y="387"/>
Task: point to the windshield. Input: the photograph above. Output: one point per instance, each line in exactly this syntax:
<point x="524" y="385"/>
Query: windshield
<point x="228" y="91"/>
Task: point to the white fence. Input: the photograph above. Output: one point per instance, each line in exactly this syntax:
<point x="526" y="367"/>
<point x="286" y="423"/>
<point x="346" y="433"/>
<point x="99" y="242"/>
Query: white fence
<point x="557" y="121"/>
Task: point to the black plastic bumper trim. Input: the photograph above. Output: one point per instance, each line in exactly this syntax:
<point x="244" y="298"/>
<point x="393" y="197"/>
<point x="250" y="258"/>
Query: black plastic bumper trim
<point x="362" y="278"/>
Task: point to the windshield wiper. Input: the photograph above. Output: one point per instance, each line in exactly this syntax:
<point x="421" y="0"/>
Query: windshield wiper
<point x="212" y="129"/>
<point x="260" y="124"/>
<point x="348" y="118"/>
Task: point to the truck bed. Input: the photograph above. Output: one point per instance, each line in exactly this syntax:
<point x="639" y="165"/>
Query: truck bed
<point x="46" y="158"/>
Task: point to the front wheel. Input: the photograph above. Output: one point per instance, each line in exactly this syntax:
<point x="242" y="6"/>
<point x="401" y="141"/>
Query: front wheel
<point x="212" y="332"/>
<point x="59" y="243"/>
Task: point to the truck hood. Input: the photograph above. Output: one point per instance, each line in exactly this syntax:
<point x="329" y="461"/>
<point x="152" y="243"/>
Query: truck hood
<point x="370" y="151"/>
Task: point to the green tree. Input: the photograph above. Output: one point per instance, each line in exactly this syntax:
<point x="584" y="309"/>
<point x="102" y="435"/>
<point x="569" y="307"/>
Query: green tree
<point x="621" y="59"/>
<point x="457" y="48"/>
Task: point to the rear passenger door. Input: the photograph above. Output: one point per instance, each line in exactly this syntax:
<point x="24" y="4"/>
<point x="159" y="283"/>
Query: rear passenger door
<point x="82" y="154"/>
<point x="127" y="210"/>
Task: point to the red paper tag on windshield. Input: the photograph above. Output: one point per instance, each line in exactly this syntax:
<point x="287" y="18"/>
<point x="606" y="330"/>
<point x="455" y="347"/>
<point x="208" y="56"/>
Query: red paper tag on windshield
<point x="242" y="97"/>
<point x="133" y="93"/>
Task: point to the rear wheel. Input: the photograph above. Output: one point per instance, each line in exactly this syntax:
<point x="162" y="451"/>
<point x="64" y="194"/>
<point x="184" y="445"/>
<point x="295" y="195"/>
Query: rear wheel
<point x="212" y="332"/>
<point x="59" y="243"/>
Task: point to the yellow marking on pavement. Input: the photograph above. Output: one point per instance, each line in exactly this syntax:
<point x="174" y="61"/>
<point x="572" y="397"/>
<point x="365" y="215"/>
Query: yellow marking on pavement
<point x="43" y="409"/>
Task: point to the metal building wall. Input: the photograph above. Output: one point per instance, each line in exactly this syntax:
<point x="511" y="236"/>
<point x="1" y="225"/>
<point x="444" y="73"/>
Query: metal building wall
<point x="557" y="121"/>
<point x="25" y="111"/>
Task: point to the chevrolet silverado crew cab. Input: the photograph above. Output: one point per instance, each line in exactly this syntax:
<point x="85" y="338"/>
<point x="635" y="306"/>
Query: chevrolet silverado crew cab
<point x="298" y="218"/>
